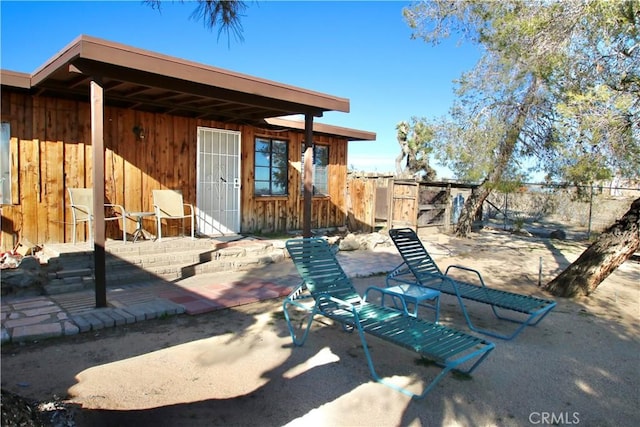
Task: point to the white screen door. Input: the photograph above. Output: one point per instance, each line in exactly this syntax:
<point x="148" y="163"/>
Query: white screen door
<point x="218" y="192"/>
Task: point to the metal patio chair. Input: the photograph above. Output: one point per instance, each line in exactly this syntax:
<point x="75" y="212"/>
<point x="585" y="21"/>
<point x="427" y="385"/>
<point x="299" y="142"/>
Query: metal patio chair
<point x="169" y="205"/>
<point x="82" y="211"/>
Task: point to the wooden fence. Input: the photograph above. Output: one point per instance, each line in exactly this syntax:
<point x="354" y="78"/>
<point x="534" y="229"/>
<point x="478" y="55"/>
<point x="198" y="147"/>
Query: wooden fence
<point x="377" y="202"/>
<point x="384" y="202"/>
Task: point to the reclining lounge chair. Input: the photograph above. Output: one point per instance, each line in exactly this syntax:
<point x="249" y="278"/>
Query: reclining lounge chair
<point x="420" y="269"/>
<point x="326" y="290"/>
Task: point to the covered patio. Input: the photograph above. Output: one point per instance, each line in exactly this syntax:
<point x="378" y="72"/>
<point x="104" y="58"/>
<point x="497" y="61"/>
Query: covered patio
<point x="113" y="77"/>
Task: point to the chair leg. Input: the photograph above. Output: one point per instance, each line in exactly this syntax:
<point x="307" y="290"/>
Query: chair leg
<point x="159" y="228"/>
<point x="298" y="341"/>
<point x="493" y="334"/>
<point x="192" y="227"/>
<point x="74" y="231"/>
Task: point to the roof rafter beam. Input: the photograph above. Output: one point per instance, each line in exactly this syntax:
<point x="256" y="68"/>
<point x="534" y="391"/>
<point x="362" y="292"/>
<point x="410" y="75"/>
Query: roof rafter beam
<point x="154" y="80"/>
<point x="135" y="103"/>
<point x="81" y="79"/>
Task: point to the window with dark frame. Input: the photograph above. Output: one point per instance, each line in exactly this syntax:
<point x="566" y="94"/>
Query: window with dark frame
<point x="271" y="167"/>
<point x="320" y="169"/>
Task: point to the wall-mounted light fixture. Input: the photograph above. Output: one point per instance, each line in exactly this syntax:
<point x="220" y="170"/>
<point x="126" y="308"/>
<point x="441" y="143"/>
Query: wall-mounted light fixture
<point x="138" y="132"/>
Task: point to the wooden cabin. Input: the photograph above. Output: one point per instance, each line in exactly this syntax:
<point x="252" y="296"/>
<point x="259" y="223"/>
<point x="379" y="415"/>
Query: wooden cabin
<point x="133" y="121"/>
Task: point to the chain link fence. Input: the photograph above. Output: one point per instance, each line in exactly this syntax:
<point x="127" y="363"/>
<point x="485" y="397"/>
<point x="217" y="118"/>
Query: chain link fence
<point x="586" y="209"/>
<point x="540" y="209"/>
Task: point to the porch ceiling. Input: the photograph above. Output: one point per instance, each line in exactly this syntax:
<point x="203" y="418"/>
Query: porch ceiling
<point x="148" y="81"/>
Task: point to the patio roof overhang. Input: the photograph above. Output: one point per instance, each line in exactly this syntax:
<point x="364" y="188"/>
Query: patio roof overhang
<point x="348" y="133"/>
<point x="149" y="81"/>
<point x="16" y="80"/>
<point x="105" y="73"/>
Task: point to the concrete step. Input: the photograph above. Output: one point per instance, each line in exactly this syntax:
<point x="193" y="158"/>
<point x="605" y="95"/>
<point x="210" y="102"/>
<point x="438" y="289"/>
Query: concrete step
<point x="180" y="271"/>
<point x="81" y="266"/>
<point x="70" y="273"/>
<point x="133" y="263"/>
<point x="61" y="286"/>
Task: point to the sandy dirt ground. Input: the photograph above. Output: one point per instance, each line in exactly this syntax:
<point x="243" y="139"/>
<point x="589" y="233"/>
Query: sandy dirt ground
<point x="580" y="366"/>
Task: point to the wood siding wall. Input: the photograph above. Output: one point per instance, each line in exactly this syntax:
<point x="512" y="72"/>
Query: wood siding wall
<point x="51" y="151"/>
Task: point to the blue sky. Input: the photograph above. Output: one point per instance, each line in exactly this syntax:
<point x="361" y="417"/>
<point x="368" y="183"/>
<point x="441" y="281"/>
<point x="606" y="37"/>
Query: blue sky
<point x="358" y="50"/>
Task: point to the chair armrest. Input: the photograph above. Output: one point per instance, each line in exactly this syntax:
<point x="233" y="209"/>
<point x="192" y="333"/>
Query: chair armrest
<point x="443" y="277"/>
<point x="123" y="212"/>
<point x="85" y="207"/>
<point x="299" y="292"/>
<point x="297" y="301"/>
<point x="460" y="267"/>
<point x="352" y="308"/>
<point x="190" y="207"/>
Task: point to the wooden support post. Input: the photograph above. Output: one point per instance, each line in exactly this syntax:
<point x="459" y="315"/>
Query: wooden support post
<point x="390" y="190"/>
<point x="308" y="175"/>
<point x="97" y="143"/>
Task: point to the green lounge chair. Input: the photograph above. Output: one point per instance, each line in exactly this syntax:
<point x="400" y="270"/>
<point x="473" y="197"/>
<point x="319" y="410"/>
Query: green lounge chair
<point x="326" y="290"/>
<point x="420" y="269"/>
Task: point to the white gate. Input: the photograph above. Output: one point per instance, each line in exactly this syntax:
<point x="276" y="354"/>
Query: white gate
<point x="218" y="191"/>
